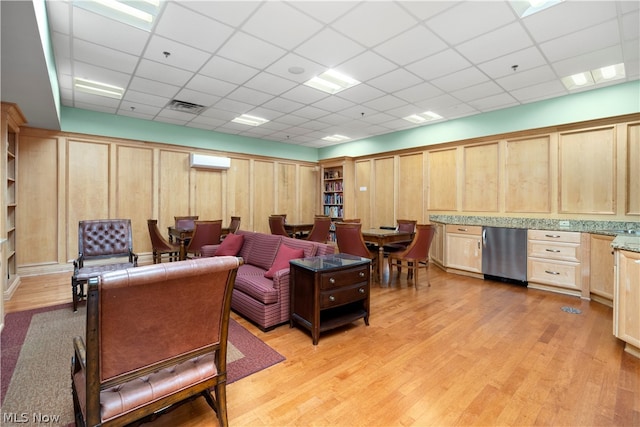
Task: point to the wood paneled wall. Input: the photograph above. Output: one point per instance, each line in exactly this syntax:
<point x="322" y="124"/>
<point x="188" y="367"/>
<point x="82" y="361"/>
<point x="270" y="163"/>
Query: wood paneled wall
<point x="65" y="178"/>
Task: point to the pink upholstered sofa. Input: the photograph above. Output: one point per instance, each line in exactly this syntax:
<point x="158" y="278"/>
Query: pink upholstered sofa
<point x="264" y="300"/>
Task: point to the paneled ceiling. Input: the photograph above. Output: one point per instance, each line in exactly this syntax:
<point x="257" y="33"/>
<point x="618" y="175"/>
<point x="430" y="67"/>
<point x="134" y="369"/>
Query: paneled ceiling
<point x="455" y="58"/>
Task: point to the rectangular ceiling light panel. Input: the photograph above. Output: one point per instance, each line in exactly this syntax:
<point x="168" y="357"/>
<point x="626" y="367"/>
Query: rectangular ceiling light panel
<point x="248" y="120"/>
<point x="98" y="88"/>
<point x="332" y="81"/>
<point x="140" y="14"/>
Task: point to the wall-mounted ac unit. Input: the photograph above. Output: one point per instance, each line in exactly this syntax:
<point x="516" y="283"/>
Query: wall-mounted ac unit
<point x="209" y="162"/>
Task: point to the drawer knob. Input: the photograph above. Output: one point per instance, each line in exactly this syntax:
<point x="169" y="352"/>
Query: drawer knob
<point x="361" y="290"/>
<point x="361" y="274"/>
<point x="332" y="298"/>
<point x="552" y="250"/>
<point x="462" y="229"/>
<point x="332" y="280"/>
<point x="555" y="273"/>
<point x="553" y="236"/>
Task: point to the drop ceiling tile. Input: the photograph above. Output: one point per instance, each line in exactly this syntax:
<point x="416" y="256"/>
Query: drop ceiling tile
<point x="270" y="83"/>
<point x="419" y="92"/>
<point x="371" y="23"/>
<point x="320" y="11"/>
<point x="329" y="48"/>
<point x="228" y="71"/>
<point x="266" y="24"/>
<point x="96" y="29"/>
<point x="424" y="10"/>
<point x="526" y="78"/>
<point x="249" y="96"/>
<point x="588" y="61"/>
<point x="470" y="19"/>
<point x="145" y="98"/>
<point x="58" y="15"/>
<point x="163" y="73"/>
<point x="411" y="45"/>
<point x="308" y="69"/>
<point x="309" y="112"/>
<point x="360" y="93"/>
<point x="135" y="114"/>
<point x="170" y="120"/>
<point x="135" y="108"/>
<point x="282" y="105"/>
<point x="179" y="55"/>
<point x="232" y="13"/>
<point x="385" y="102"/>
<point x="502" y="100"/>
<point x="190" y="28"/>
<point x="460" y="79"/>
<point x="218" y="114"/>
<point x="582" y="42"/>
<point x="305" y="94"/>
<point x="211" y="86"/>
<point x="630" y="27"/>
<point x="395" y="80"/>
<point x="104" y="57"/>
<point x="366" y="66"/>
<point x="440" y="64"/>
<point x="333" y="104"/>
<point x="525" y="59"/>
<point x="497" y="43"/>
<point x="250" y="51"/>
<point x="92" y="72"/>
<point x="230" y="105"/>
<point x="153" y="87"/>
<point x="197" y="97"/>
<point x="95" y="107"/>
<point x="479" y="91"/>
<point x="546" y="90"/>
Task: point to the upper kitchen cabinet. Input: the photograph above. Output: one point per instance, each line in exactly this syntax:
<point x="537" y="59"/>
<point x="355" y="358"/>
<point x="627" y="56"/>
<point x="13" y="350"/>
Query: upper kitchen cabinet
<point x="442" y="180"/>
<point x="480" y="182"/>
<point x="411" y="185"/>
<point x="527" y="176"/>
<point x="587" y="171"/>
<point x="632" y="182"/>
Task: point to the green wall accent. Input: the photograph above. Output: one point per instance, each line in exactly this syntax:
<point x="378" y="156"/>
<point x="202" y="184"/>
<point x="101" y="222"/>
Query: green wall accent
<point x="609" y="101"/>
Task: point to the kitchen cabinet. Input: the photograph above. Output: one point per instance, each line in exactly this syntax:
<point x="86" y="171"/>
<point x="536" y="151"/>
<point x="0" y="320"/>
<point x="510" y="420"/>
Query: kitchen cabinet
<point x="463" y="250"/>
<point x="601" y="271"/>
<point x="436" y="252"/>
<point x="554" y="261"/>
<point x="626" y="307"/>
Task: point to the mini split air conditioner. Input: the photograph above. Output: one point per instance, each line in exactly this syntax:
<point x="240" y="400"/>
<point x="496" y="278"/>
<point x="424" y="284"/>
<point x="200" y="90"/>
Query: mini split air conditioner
<point x="209" y="162"/>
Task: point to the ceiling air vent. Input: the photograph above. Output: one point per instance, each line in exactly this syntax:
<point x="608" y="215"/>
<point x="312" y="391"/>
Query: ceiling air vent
<point x="185" y="107"/>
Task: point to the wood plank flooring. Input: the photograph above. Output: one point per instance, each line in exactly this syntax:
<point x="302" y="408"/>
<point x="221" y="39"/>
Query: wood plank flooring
<point x="460" y="352"/>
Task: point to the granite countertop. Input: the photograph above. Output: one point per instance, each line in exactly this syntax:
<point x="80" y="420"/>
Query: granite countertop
<point x="626" y="241"/>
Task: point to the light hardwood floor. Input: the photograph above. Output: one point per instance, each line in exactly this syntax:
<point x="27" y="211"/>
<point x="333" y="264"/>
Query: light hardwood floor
<point x="461" y="352"/>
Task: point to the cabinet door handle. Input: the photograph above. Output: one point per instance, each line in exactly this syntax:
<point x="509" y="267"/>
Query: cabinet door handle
<point x="361" y="274"/>
<point x="332" y="280"/>
<point x="552" y="250"/>
<point x="361" y="290"/>
<point x="553" y="236"/>
<point x="462" y="229"/>
<point x="332" y="298"/>
<point x="555" y="273"/>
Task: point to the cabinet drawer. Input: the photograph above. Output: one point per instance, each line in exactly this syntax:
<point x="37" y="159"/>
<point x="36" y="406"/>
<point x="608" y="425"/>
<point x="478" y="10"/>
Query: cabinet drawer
<point x="345" y="277"/>
<point x="554" y="236"/>
<point x="345" y="295"/>
<point x="474" y="230"/>
<point x="554" y="250"/>
<point x="558" y="273"/>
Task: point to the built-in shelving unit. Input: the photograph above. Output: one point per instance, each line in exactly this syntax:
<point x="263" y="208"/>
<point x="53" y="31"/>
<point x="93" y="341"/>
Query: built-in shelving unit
<point x="333" y="195"/>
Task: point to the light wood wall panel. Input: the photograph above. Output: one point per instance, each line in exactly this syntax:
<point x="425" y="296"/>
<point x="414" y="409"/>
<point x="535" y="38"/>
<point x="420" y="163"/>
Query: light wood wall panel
<point x="632" y="190"/>
<point x="383" y="197"/>
<point x="411" y="184"/>
<point x="364" y="193"/>
<point x="286" y="185"/>
<point x="238" y="192"/>
<point x="37" y="244"/>
<point x="264" y="203"/>
<point x="134" y="192"/>
<point x="480" y="190"/>
<point x="174" y="188"/>
<point x="587" y="171"/>
<point x="309" y="184"/>
<point x="209" y="194"/>
<point x="88" y="185"/>
<point x="528" y="175"/>
<point x="442" y="180"/>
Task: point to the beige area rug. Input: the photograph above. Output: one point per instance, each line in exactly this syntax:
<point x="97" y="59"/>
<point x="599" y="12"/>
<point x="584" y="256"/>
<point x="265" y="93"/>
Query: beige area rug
<point x="40" y="389"/>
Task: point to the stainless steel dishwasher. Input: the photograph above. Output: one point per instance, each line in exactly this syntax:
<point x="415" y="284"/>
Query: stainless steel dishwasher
<point x="504" y="254"/>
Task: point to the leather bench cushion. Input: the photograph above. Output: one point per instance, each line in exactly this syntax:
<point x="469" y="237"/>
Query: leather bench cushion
<point x="87" y="272"/>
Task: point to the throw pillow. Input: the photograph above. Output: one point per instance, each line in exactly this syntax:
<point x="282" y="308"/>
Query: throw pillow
<point x="230" y="245"/>
<point x="284" y="255"/>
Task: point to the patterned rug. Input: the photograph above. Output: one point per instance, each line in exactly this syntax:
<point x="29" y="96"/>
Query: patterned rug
<point x="36" y="347"/>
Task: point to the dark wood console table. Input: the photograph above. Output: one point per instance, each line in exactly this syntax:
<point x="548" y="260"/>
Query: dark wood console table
<point x="329" y="291"/>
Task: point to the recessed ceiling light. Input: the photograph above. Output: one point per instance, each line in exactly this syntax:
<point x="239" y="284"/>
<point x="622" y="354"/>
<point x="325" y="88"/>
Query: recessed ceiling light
<point x="332" y="81"/>
<point x="336" y="138"/>
<point x="97" y="88"/>
<point x="139" y="14"/>
<point x="427" y="116"/>
<point x="246" y="119"/>
<point x="529" y="7"/>
<point x="599" y="75"/>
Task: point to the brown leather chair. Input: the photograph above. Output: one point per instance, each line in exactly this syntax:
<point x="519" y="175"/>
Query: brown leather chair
<point x="109" y="242"/>
<point x="320" y="230"/>
<point x="160" y="245"/>
<point x="206" y="232"/>
<point x="350" y="241"/>
<point x="156" y="337"/>
<point x="403" y="225"/>
<point x="416" y="256"/>
<point x="185" y="222"/>
<point x="276" y="225"/>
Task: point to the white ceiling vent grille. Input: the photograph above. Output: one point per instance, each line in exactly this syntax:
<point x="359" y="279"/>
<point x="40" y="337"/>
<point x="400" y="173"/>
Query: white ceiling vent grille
<point x="185" y="107"/>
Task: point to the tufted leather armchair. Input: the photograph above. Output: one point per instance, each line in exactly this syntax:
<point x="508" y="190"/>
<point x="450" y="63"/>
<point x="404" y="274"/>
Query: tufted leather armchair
<point x="101" y="240"/>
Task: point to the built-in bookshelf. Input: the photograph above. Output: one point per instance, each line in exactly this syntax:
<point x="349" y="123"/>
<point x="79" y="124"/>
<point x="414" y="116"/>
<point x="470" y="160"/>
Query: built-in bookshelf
<point x="333" y="195"/>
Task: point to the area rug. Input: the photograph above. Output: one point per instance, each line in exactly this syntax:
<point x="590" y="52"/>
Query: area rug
<point x="36" y="347"/>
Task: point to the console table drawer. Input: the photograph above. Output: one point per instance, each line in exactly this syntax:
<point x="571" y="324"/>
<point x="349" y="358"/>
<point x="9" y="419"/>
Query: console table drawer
<point x="344" y="295"/>
<point x="345" y="277"/>
<point x="565" y="274"/>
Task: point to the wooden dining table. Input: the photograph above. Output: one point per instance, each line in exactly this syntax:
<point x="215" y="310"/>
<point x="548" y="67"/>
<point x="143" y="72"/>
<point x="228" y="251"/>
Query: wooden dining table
<point x="297" y="230"/>
<point x="183" y="235"/>
<point x="381" y="237"/>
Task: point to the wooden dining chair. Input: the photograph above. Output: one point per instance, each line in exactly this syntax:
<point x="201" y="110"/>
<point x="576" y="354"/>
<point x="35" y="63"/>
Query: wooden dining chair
<point x="276" y="225"/>
<point x="205" y="233"/>
<point x="416" y="256"/>
<point x="350" y="241"/>
<point x="320" y="230"/>
<point x="408" y="225"/>
<point x="160" y="245"/>
<point x="185" y="222"/>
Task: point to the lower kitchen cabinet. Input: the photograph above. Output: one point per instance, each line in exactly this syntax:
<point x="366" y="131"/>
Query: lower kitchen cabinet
<point x="601" y="271"/>
<point x="436" y="252"/>
<point x="626" y="307"/>
<point x="464" y="249"/>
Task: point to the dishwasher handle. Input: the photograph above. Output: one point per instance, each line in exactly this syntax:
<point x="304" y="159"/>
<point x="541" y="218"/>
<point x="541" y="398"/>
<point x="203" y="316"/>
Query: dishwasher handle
<point x="484" y="237"/>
